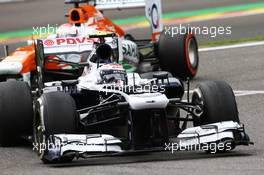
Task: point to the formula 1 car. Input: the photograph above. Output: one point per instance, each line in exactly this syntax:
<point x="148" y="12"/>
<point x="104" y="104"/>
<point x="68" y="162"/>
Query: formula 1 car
<point x="178" y="55"/>
<point x="107" y="111"/>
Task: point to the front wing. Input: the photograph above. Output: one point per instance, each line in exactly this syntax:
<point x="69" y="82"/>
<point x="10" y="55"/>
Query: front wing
<point x="94" y="145"/>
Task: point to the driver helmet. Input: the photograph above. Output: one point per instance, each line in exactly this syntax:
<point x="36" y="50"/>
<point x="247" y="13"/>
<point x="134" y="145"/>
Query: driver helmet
<point x="113" y="74"/>
<point x="67" y="30"/>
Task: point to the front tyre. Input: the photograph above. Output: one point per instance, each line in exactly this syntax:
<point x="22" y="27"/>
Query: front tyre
<point x="55" y="114"/>
<point x="218" y="102"/>
<point x="178" y="54"/>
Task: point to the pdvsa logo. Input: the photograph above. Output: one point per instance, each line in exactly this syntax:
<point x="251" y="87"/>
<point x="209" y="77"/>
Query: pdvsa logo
<point x="49" y="42"/>
<point x="68" y="41"/>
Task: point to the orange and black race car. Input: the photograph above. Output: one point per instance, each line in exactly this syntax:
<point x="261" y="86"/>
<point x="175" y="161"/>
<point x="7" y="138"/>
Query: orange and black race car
<point x="177" y="53"/>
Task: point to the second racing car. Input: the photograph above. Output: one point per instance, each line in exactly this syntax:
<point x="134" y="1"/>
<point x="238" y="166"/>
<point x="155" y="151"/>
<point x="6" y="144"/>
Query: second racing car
<point x="178" y="54"/>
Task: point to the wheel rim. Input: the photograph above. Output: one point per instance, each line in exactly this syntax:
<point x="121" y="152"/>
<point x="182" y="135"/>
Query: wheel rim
<point x="39" y="138"/>
<point x="38" y="132"/>
<point x="198" y="100"/>
<point x="193" y="56"/>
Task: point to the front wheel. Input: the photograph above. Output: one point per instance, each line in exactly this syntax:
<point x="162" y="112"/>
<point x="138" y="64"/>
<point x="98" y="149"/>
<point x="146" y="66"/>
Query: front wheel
<point x="55" y="114"/>
<point x="217" y="101"/>
<point x="218" y="104"/>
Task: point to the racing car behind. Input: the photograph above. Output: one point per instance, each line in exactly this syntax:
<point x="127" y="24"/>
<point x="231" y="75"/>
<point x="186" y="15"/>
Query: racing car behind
<point x="178" y="54"/>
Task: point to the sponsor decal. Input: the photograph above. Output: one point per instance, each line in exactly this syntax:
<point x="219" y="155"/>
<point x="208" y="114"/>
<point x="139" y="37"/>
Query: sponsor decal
<point x="49" y="42"/>
<point x="155" y="16"/>
<point x="73" y="41"/>
<point x="112" y="66"/>
<point x="130" y="52"/>
<point x="69" y="41"/>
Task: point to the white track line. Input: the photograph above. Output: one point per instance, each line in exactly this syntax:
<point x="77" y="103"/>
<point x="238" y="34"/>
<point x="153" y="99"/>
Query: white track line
<point x="249" y="44"/>
<point x="241" y="93"/>
<point x="245" y="93"/>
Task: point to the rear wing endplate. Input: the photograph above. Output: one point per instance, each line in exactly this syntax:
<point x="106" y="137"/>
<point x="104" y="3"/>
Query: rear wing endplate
<point x="153" y="11"/>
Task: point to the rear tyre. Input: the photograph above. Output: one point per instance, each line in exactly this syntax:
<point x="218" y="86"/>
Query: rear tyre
<point x="218" y="102"/>
<point x="179" y="54"/>
<point x="58" y="116"/>
<point x="16" y="112"/>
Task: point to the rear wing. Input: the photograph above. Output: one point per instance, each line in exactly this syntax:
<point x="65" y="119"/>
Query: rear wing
<point x="77" y="45"/>
<point x="55" y="47"/>
<point x="153" y="11"/>
<point x="119" y="4"/>
<point x="66" y="45"/>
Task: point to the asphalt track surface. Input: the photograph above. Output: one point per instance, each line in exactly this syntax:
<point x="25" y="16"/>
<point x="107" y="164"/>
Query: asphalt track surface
<point x="241" y="67"/>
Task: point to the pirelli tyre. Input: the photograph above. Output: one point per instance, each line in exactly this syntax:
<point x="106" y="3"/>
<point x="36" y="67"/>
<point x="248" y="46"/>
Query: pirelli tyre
<point x="56" y="111"/>
<point x="16" y="112"/>
<point x="178" y="54"/>
<point x="217" y="102"/>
